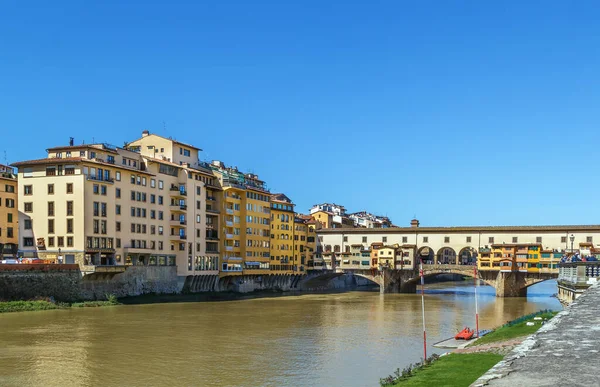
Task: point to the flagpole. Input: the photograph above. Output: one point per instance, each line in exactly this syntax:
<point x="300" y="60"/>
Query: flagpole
<point x="423" y="308"/>
<point x="476" y="306"/>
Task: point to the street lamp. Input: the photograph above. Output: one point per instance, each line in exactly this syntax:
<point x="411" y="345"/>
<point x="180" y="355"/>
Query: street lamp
<point x="60" y="258"/>
<point x="572" y="239"/>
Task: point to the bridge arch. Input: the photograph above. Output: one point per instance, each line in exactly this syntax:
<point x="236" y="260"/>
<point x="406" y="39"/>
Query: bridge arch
<point x="446" y="255"/>
<point x="467" y="255"/>
<point x="426" y="254"/>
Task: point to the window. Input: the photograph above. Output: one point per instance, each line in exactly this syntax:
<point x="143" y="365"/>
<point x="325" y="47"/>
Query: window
<point x="160" y="200"/>
<point x="118" y="176"/>
<point x="10" y="188"/>
<point x="69" y="188"/>
<point x="404" y="239"/>
<point x="10" y="203"/>
<point x="153" y="183"/>
<point x="69" y="241"/>
<point x="9" y="217"/>
<point x="50" y="189"/>
<point x="28" y="190"/>
<point x="515" y="239"/>
<point x="345" y="239"/>
<point x="50" y="226"/>
<point x="446" y="239"/>
<point x="103" y="210"/>
<point x="132" y="179"/>
<point x="96" y="226"/>
<point x="118" y="209"/>
<point x="9" y="232"/>
<point x="28" y="242"/>
<point x="491" y="240"/>
<point x="118" y="242"/>
<point x="69" y="226"/>
<point x="118" y="193"/>
<point x="563" y="239"/>
<point x="589" y="239"/>
<point x="364" y="239"/>
<point x="96" y="208"/>
<point x="468" y="239"/>
<point x="384" y="239"/>
<point x="103" y="190"/>
<point x="425" y="239"/>
<point x="51" y="241"/>
<point x="27" y="224"/>
<point x="61" y="241"/>
<point x="118" y="226"/>
<point x="161" y="184"/>
<point x="152" y="198"/>
<point x="96" y="189"/>
<point x="538" y="239"/>
<point x="50" y="208"/>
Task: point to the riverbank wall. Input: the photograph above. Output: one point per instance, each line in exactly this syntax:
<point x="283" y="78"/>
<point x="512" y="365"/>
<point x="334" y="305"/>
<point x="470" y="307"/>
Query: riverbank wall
<point x="67" y="283"/>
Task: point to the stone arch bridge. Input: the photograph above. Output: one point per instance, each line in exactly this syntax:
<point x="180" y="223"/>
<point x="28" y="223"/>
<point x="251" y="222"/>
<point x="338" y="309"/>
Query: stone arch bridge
<point x="507" y="284"/>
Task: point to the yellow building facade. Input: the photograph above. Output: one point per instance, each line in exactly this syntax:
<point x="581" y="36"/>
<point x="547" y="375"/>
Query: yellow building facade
<point x="9" y="214"/>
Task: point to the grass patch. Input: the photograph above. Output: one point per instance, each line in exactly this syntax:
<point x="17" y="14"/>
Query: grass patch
<point x="455" y="369"/>
<point x="48" y="304"/>
<point x="23" y="306"/>
<point x="515" y="328"/>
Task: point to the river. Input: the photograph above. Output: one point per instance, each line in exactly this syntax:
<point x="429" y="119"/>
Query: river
<point x="339" y="339"/>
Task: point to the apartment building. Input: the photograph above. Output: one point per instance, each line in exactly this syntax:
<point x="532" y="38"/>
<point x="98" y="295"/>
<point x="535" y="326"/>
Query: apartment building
<point x="9" y="230"/>
<point x="331" y="215"/>
<point x="305" y="243"/>
<point x="367" y="220"/>
<point x="99" y="205"/>
<point x="195" y="199"/>
<point x="246" y="246"/>
<point x="283" y="259"/>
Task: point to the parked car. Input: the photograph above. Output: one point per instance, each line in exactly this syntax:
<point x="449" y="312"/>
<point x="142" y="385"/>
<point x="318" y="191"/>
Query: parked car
<point x="9" y="261"/>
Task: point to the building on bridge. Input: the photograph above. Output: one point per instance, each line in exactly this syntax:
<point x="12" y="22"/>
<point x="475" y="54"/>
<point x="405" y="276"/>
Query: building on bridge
<point x="506" y="248"/>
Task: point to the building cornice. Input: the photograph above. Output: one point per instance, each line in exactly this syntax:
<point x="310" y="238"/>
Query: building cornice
<point x="462" y="229"/>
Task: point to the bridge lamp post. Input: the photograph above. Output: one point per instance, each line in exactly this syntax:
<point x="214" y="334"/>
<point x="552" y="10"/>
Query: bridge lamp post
<point x="572" y="238"/>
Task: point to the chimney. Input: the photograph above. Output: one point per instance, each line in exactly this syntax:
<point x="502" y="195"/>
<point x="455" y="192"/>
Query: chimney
<point x="71" y="140"/>
<point x="145" y="133"/>
<point x="414" y="223"/>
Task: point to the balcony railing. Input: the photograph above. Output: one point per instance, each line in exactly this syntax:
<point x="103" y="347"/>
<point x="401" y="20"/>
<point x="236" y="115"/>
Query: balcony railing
<point x="229" y="223"/>
<point x="229" y="236"/>
<point x="211" y="198"/>
<point x="229" y="248"/>
<point x="229" y="211"/>
<point x="212" y="211"/>
<point x="182" y="236"/>
<point x="99" y="178"/>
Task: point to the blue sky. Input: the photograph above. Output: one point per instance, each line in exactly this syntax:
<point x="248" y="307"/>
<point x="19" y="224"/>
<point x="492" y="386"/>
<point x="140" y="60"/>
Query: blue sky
<point x="458" y="112"/>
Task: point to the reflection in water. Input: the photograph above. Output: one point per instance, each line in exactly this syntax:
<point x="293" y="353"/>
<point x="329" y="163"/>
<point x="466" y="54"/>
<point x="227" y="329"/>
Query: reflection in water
<point x="348" y="339"/>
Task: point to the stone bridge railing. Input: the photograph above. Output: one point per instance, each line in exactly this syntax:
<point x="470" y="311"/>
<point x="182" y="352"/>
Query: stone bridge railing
<point x="579" y="273"/>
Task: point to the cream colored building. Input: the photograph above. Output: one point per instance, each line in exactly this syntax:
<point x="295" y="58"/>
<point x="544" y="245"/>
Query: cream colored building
<point x="99" y="205"/>
<point x="461" y="245"/>
<point x="9" y="216"/>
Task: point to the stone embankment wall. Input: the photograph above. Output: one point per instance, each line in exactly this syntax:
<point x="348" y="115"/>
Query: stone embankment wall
<point x="279" y="282"/>
<point x="135" y="281"/>
<point x="66" y="283"/>
<point x="25" y="282"/>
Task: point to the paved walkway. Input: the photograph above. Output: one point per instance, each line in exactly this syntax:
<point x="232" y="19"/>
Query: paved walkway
<point x="564" y="352"/>
<point x="500" y="347"/>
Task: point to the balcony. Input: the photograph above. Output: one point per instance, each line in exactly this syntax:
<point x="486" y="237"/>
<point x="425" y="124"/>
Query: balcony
<point x="182" y="236"/>
<point x="212" y="236"/>
<point x="99" y="178"/>
<point x="229" y="211"/>
<point x="212" y="251"/>
<point x="210" y="210"/>
<point x="175" y="191"/>
<point x="229" y="223"/>
<point x="228" y="236"/>
<point x="211" y="198"/>
<point x="229" y="248"/>
<point x="177" y="222"/>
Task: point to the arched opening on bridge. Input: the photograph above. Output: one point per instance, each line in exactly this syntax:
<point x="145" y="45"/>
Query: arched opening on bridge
<point x="467" y="256"/>
<point x="426" y="254"/>
<point x="446" y="256"/>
